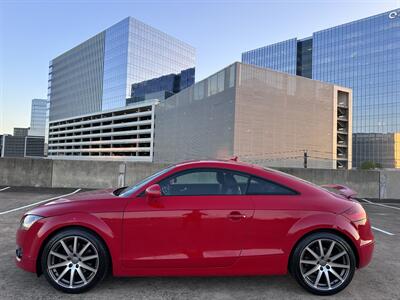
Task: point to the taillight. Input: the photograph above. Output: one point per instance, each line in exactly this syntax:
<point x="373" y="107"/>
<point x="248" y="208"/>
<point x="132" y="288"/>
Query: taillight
<point x="358" y="217"/>
<point x="355" y="213"/>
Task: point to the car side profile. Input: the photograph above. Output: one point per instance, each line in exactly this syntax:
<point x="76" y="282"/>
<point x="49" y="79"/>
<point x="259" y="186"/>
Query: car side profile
<point x="199" y="218"/>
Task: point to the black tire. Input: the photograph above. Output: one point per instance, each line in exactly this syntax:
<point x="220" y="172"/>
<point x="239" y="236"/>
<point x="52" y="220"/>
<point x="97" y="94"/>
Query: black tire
<point x="97" y="247"/>
<point x="323" y="265"/>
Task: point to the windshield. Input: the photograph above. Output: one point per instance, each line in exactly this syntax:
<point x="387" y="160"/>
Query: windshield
<point x="132" y="189"/>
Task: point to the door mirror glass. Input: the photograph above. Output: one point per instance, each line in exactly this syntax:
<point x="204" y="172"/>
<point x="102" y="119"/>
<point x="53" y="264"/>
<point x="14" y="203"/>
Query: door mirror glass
<point x="153" y="191"/>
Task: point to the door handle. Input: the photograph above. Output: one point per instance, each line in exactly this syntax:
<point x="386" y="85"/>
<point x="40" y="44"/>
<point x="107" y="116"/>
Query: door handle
<point x="235" y="215"/>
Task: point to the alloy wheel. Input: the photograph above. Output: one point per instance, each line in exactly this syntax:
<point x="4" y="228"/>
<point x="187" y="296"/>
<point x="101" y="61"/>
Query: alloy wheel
<point x="324" y="264"/>
<point x="73" y="262"/>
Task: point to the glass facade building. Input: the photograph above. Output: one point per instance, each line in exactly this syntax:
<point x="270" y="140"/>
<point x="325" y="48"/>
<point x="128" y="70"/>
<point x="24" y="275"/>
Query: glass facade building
<point x="20" y="131"/>
<point x="363" y="55"/>
<point x="38" y="117"/>
<point x="115" y="65"/>
<point x="280" y="56"/>
<point x="304" y="57"/>
<point x="98" y="74"/>
<point x="161" y="87"/>
<point x="76" y="79"/>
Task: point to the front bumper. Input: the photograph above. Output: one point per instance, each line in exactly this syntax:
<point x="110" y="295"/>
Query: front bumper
<point x="26" y="264"/>
<point x="27" y="248"/>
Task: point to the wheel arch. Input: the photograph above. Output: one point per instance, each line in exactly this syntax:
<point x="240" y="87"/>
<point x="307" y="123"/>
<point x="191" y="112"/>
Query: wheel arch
<point x="326" y="230"/>
<point x="39" y="270"/>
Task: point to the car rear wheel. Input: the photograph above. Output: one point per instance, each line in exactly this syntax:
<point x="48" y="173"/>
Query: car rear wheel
<point x="323" y="263"/>
<point x="74" y="261"/>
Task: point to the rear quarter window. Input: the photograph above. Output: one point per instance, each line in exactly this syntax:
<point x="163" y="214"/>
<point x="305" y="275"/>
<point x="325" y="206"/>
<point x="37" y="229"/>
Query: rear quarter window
<point x="258" y="186"/>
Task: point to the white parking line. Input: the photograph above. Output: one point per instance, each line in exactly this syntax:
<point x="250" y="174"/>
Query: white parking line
<point x="381" y="230"/>
<point x="3" y="189"/>
<point x="379" y="204"/>
<point x="36" y="203"/>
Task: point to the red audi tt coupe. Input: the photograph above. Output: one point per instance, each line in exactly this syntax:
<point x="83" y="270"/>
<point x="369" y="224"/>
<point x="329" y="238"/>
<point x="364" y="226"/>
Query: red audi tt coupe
<point x="199" y="218"/>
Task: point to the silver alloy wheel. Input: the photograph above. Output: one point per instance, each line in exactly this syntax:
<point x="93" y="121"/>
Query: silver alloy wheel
<point x="324" y="264"/>
<point x="73" y="262"/>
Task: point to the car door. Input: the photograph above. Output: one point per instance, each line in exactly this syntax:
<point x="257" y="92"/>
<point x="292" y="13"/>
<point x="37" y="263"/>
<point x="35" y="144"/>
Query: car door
<point x="201" y="220"/>
<point x="276" y="210"/>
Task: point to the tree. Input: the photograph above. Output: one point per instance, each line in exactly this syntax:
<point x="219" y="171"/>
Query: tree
<point x="368" y="165"/>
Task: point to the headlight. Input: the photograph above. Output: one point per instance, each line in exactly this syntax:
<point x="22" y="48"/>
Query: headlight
<point x="29" y="220"/>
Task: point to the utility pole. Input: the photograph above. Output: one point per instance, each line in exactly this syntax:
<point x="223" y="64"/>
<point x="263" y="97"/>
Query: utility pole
<point x="305" y="159"/>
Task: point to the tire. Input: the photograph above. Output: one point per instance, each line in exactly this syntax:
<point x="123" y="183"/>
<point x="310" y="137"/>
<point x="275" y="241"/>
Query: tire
<point x="325" y="273"/>
<point x="77" y="252"/>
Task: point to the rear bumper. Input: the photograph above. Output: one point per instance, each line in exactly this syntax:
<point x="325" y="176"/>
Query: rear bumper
<point x="365" y="254"/>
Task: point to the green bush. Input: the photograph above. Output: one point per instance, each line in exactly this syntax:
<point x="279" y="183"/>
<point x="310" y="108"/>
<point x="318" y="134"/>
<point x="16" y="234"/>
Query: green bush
<point x="368" y="165"/>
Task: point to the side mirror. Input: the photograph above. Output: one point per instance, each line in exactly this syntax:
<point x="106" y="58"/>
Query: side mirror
<point x="152" y="194"/>
<point x="153" y="191"/>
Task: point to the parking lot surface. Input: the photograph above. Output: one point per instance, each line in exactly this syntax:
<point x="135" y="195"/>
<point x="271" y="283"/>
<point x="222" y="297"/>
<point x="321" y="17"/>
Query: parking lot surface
<point x="380" y="280"/>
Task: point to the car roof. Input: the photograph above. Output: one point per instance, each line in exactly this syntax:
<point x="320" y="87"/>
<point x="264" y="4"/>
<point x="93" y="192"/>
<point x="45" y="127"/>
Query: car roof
<point x="233" y="163"/>
<point x="213" y="161"/>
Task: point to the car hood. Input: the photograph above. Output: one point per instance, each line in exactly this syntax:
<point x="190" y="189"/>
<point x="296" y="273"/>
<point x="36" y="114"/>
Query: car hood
<point x="86" y="202"/>
<point x="85" y="196"/>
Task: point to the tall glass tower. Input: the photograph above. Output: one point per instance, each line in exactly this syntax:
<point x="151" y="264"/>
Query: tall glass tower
<point x="281" y="56"/>
<point x="38" y="117"/>
<point x="98" y="74"/>
<point x="365" y="56"/>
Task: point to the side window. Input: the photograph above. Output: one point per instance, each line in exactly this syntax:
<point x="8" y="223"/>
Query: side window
<point x="260" y="186"/>
<point x="204" y="182"/>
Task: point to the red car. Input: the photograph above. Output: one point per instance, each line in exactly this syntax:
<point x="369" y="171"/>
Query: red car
<point x="201" y="218"/>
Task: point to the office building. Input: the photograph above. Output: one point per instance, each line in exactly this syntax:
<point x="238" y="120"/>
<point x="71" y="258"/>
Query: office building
<point x="363" y="55"/>
<point x="162" y="87"/>
<point x="21" y="146"/>
<point x="262" y="116"/>
<point x="97" y="75"/>
<point x="20" y="131"/>
<point x="28" y="142"/>
<point x="39" y="111"/>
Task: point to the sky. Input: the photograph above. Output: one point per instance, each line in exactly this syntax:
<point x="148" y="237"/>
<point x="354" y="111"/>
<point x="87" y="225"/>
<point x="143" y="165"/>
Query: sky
<point x="34" y="32"/>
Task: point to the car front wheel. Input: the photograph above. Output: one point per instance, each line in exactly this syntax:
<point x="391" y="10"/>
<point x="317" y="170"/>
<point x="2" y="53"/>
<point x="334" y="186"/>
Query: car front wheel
<point x="74" y="260"/>
<point x="323" y="263"/>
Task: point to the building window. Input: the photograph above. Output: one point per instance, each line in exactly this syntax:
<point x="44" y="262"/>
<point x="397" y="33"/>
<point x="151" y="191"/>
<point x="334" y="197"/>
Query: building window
<point x="212" y="85"/>
<point x="199" y="91"/>
<point x="221" y="81"/>
<point x="232" y="76"/>
<point x="216" y="83"/>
